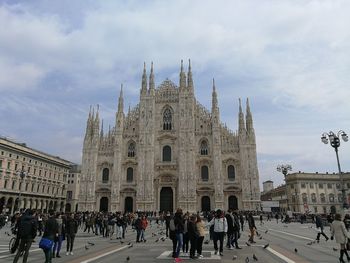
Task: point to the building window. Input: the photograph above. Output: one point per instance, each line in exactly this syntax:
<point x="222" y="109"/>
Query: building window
<point x="129" y="174"/>
<point x="105" y="175"/>
<point x="323" y="198"/>
<point x="13" y="185"/>
<point x="8" y="165"/>
<point x="292" y="186"/>
<point x="33" y="185"/>
<point x="315" y="209"/>
<point x="311" y="185"/>
<point x="0" y="163"/>
<point x="205" y="173"/>
<point x="131" y="149"/>
<point x="324" y="210"/>
<point x="27" y="184"/>
<point x="331" y="198"/>
<point x="69" y="195"/>
<point x="167" y="153"/>
<point x="5" y="184"/>
<point x="304" y="197"/>
<point x="20" y="186"/>
<point x="231" y="173"/>
<point x="303" y="185"/>
<point x="167" y="120"/>
<point x="204" y="148"/>
<point x="338" y="186"/>
<point x="313" y="197"/>
<point x="38" y="187"/>
<point x="329" y="186"/>
<point x="320" y="185"/>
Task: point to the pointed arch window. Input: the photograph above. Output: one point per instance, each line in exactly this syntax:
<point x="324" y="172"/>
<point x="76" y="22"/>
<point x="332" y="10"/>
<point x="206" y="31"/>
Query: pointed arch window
<point x="129" y="174"/>
<point x="167" y="153"/>
<point x="131" y="149"/>
<point x="105" y="175"/>
<point x="231" y="174"/>
<point x="167" y="119"/>
<point x="204" y="147"/>
<point x="205" y="173"/>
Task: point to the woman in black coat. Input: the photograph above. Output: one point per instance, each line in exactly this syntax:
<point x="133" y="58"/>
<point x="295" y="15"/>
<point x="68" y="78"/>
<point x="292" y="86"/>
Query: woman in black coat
<point x="51" y="232"/>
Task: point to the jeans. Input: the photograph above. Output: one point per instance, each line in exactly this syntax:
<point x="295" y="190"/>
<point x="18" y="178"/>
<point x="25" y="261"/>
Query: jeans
<point x="179" y="238"/>
<point x="119" y="231"/>
<point x="185" y="242"/>
<point x="48" y="255"/>
<point x="70" y="242"/>
<point x="199" y="245"/>
<point x="24" y="245"/>
<point x="57" y="245"/>
<point x="142" y="235"/>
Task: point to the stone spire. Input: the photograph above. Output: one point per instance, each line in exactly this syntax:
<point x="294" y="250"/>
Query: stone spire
<point x="182" y="77"/>
<point x="121" y="100"/>
<point x="144" y="80"/>
<point x="97" y="121"/>
<point x="189" y="77"/>
<point x="88" y="125"/>
<point x="151" y="81"/>
<point x="249" y="119"/>
<point x="241" y="125"/>
<point x="101" y="132"/>
<point x="214" y="104"/>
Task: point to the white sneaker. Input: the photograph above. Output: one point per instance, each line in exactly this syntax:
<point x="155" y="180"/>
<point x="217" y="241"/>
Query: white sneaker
<point x="71" y="253"/>
<point x="200" y="256"/>
<point x="67" y="253"/>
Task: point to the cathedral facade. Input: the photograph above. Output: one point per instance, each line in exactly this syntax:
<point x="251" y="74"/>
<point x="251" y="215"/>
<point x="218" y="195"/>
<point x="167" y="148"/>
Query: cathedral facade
<point x="168" y="152"/>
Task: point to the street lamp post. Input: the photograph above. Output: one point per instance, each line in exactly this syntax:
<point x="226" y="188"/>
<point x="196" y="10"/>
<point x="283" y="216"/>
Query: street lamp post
<point x="21" y="174"/>
<point x="284" y="168"/>
<point x="335" y="143"/>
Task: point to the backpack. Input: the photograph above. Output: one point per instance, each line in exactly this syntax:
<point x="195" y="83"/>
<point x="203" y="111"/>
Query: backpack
<point x="172" y="225"/>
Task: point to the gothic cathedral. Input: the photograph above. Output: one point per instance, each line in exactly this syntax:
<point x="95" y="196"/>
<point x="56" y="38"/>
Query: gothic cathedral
<point x="169" y="152"/>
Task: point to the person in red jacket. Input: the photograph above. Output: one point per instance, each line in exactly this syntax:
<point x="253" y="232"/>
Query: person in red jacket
<point x="144" y="224"/>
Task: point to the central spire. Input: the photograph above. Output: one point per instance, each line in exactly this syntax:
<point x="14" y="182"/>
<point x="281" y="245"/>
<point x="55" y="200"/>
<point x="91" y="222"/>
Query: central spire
<point x="144" y="80"/>
<point x="189" y="76"/>
<point x="182" y="77"/>
<point x="121" y="100"/>
<point x="151" y="80"/>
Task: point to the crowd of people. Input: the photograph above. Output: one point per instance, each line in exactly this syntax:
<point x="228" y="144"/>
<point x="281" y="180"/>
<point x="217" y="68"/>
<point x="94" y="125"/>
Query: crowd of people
<point x="185" y="230"/>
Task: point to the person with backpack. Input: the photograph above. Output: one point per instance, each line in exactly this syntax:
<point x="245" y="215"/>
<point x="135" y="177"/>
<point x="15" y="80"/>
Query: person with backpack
<point x="220" y="228"/>
<point x="27" y="228"/>
<point x="50" y="233"/>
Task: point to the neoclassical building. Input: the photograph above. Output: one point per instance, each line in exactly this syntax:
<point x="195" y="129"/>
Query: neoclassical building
<point x="167" y="152"/>
<point x="42" y="185"/>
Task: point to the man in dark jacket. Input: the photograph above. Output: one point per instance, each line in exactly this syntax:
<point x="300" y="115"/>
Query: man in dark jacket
<point x="71" y="230"/>
<point x="319" y="226"/>
<point x="51" y="232"/>
<point x="229" y="219"/>
<point x="27" y="228"/>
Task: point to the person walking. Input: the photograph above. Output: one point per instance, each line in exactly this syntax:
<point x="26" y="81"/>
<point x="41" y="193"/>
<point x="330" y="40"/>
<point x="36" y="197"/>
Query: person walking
<point x="71" y="230"/>
<point x="241" y="220"/>
<point x="319" y="227"/>
<point x="172" y="234"/>
<point x="341" y="235"/>
<point x="201" y="233"/>
<point x="252" y="227"/>
<point x="229" y="219"/>
<point x="27" y="228"/>
<point x="220" y="228"/>
<point x="50" y="232"/>
<point x="144" y="224"/>
<point x="236" y="231"/>
<point x="59" y="239"/>
<point x="185" y="240"/>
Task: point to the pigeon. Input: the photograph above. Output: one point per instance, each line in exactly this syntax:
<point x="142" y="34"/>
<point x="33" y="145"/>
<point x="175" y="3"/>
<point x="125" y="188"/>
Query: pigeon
<point x="246" y="260"/>
<point x="128" y="258"/>
<point x="91" y="244"/>
<point x="206" y="242"/>
<point x="234" y="257"/>
<point x="309" y="244"/>
<point x="121" y="242"/>
<point x="334" y="249"/>
<point x="295" y="250"/>
<point x="260" y="237"/>
<point x="129" y="243"/>
<point x="247" y="244"/>
<point x="266" y="246"/>
<point x="266" y="231"/>
<point x="86" y="247"/>
<point x="255" y="258"/>
<point x="285" y="226"/>
<point x="157" y="240"/>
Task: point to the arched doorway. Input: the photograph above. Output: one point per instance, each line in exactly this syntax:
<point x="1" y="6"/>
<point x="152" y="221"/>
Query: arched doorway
<point x="232" y="202"/>
<point x="2" y="204"/>
<point x="333" y="210"/>
<point x="166" y="199"/>
<point x="68" y="207"/>
<point x="104" y="204"/>
<point x="9" y="204"/>
<point x="128" y="205"/>
<point x="205" y="203"/>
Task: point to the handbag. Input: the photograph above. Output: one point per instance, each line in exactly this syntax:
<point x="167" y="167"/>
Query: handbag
<point x="45" y="243"/>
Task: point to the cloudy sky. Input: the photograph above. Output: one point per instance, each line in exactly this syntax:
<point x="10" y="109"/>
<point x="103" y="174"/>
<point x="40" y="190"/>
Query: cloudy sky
<point x="291" y="58"/>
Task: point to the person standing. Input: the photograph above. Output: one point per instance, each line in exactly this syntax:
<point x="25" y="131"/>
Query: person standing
<point x="167" y="222"/>
<point x="236" y="231"/>
<point x="71" y="230"/>
<point x="144" y="224"/>
<point x="185" y="240"/>
<point x="241" y="220"/>
<point x="172" y="234"/>
<point x="220" y="228"/>
<point x="229" y="219"/>
<point x="27" y="228"/>
<point x="193" y="234"/>
<point x="319" y="227"/>
<point x="341" y="235"/>
<point x="201" y="233"/>
<point x="50" y="232"/>
<point x="58" y="241"/>
<point x="179" y="230"/>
